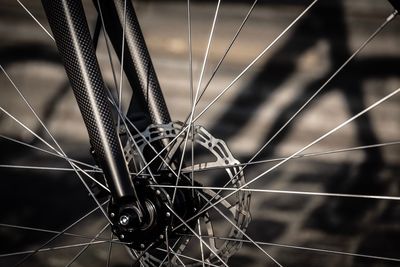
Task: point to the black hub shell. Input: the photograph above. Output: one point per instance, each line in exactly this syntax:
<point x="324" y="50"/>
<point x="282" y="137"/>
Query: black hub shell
<point x="148" y="227"/>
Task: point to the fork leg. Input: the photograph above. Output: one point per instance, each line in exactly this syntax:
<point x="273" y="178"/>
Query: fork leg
<point x="71" y="33"/>
<point x="148" y="104"/>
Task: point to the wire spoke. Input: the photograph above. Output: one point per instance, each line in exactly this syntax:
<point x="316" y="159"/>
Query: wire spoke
<point x="49" y="152"/>
<point x="255" y="60"/>
<point x="314" y="154"/>
<point x="196" y="235"/>
<point x="297" y="153"/>
<point x="184" y="129"/>
<point x="243" y="233"/>
<point x="201" y="244"/>
<point x="168" y="247"/>
<point x="28" y="129"/>
<point x="59" y="234"/>
<point x="63" y="156"/>
<point x="107" y="44"/>
<point x="124" y="121"/>
<point x="53" y="232"/>
<point x="254" y="190"/>
<point x="306" y="248"/>
<point x="363" y="45"/>
<point x="210" y="38"/>
<point x="193" y="102"/>
<point x="166" y="257"/>
<point x="110" y="250"/>
<point x="60" y="151"/>
<point x="177" y="257"/>
<point x="118" y="108"/>
<point x="36" y="20"/>
<point x="87" y="246"/>
<point x="121" y="116"/>
<point x="45" y="168"/>
<point x="52" y="248"/>
<point x="41" y="230"/>
<point x="232" y="42"/>
<point x="122" y="66"/>
<point x="95" y="168"/>
<point x="139" y="257"/>
<point x="188" y="257"/>
<point x="386" y="22"/>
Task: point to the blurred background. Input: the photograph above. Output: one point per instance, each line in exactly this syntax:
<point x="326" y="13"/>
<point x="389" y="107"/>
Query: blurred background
<point x="246" y="117"/>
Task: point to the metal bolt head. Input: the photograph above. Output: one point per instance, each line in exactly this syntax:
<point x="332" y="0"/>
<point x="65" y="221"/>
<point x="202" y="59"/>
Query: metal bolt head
<point x="158" y="192"/>
<point x="124" y="220"/>
<point x="168" y="214"/>
<point x="142" y="246"/>
<point x="122" y="236"/>
<point x="112" y="214"/>
<point x="161" y="236"/>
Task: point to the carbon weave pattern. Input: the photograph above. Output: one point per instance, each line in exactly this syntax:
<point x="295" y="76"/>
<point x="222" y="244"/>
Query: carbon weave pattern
<point x="141" y="63"/>
<point x="75" y="46"/>
<point x="91" y="79"/>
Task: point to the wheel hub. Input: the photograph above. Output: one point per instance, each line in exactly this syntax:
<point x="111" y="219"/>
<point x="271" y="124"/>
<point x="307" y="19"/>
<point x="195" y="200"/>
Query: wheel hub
<point x="148" y="220"/>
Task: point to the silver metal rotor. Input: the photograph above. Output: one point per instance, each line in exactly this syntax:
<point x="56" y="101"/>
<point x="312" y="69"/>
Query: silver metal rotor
<point x="217" y="232"/>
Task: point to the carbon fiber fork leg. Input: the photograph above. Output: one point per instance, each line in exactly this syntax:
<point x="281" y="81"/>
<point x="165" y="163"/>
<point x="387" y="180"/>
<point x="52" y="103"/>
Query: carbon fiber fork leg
<point x="71" y="33"/>
<point x="148" y="104"/>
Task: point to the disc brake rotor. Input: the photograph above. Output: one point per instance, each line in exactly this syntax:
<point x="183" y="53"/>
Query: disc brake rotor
<point x="219" y="234"/>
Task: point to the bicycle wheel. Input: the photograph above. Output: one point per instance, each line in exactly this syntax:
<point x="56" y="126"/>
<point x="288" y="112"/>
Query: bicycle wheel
<point x="296" y="107"/>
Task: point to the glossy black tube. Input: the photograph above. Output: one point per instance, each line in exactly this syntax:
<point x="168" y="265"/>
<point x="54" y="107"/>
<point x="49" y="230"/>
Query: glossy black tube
<point x="148" y="104"/>
<point x="71" y="33"/>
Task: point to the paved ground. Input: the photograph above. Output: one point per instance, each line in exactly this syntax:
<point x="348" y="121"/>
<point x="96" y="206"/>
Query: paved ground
<point x="247" y="116"/>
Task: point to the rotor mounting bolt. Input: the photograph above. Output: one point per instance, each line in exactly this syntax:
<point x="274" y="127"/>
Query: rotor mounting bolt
<point x="112" y="214"/>
<point x="161" y="236"/>
<point x="158" y="192"/>
<point x="168" y="214"/>
<point x="142" y="246"/>
<point x="124" y="220"/>
<point x="122" y="236"/>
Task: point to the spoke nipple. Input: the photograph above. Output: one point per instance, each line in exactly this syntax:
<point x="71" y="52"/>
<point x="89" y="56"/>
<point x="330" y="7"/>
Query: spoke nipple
<point x="168" y="214"/>
<point x="124" y="220"/>
<point x="142" y="246"/>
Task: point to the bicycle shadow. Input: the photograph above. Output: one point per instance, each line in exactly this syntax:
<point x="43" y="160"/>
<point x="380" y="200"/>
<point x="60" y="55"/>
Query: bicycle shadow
<point x="325" y="22"/>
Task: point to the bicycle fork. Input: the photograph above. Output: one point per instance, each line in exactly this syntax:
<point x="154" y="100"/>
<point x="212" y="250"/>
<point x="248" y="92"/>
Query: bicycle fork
<point x="71" y="33"/>
<point x="139" y="217"/>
